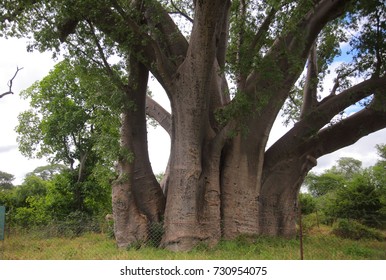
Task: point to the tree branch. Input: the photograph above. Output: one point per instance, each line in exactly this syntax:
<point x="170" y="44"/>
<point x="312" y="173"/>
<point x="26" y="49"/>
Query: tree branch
<point x="346" y="132"/>
<point x="307" y="128"/>
<point x="223" y="38"/>
<point x="181" y="12"/>
<point x="311" y="84"/>
<point x="10" y="83"/>
<point x="159" y="114"/>
<point x="296" y="44"/>
<point x="168" y="37"/>
<point x="106" y="65"/>
<point x="340" y="76"/>
<point x="262" y="30"/>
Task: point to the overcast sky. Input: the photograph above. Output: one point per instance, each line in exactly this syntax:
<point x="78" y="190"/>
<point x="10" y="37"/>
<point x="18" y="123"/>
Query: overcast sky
<point x="35" y="65"/>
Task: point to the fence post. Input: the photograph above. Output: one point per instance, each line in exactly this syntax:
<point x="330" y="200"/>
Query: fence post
<point x="300" y="230"/>
<point x="2" y="229"/>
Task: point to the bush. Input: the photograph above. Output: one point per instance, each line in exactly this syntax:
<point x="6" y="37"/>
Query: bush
<point x="307" y="203"/>
<point x="359" y="201"/>
<point x="354" y="230"/>
<point x="310" y="221"/>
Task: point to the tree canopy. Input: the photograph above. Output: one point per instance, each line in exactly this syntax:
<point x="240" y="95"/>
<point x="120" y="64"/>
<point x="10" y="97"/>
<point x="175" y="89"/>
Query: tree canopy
<point x="228" y="68"/>
<point x="6" y="180"/>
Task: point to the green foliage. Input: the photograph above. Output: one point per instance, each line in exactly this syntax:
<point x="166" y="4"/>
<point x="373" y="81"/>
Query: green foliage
<point x="47" y="172"/>
<point x="307" y="203"/>
<point x="160" y="176"/>
<point x="326" y="182"/>
<point x="32" y="186"/>
<point x="350" y="192"/>
<point x="353" y="230"/>
<point x="59" y="202"/>
<point x="34" y="214"/>
<point x="69" y="116"/>
<point x="72" y="119"/>
<point x="381" y="152"/>
<point x="369" y="47"/>
<point x="6" y="180"/>
<point x="347" y="167"/>
<point x="310" y="222"/>
<point x="359" y="201"/>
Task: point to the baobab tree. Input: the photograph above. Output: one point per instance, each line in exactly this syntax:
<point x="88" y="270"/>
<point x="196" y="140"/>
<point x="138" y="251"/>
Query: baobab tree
<point x="228" y="69"/>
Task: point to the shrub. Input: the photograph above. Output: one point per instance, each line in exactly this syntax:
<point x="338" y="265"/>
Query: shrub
<point x="307" y="203"/>
<point x="310" y="221"/>
<point x="354" y="230"/>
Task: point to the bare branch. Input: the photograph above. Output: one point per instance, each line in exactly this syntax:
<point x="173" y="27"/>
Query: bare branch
<point x="10" y="83"/>
<point x="181" y="12"/>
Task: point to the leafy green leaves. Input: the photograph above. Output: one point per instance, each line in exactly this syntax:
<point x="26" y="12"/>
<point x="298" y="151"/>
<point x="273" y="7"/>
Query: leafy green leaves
<point x="348" y="191"/>
<point x="70" y="114"/>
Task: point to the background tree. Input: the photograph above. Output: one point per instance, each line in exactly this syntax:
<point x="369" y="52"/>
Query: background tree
<point x="6" y="180"/>
<point x="342" y="193"/>
<point x="359" y="201"/>
<point x="47" y="172"/>
<point x="307" y="203"/>
<point x="378" y="178"/>
<point x="347" y="167"/>
<point x="29" y="204"/>
<point x="227" y="80"/>
<point x="67" y="124"/>
<point x="319" y="185"/>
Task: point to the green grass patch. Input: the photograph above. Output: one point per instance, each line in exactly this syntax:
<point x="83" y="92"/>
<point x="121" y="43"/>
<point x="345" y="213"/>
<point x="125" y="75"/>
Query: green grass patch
<point x="93" y="246"/>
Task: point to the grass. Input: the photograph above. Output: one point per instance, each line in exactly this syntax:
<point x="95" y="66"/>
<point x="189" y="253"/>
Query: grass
<point x="319" y="245"/>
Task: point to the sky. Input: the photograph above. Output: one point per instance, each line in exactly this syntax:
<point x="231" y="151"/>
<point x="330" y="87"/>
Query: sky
<point x="36" y="65"/>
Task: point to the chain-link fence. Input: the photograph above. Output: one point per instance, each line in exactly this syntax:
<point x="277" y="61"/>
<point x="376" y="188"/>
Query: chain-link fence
<point x="82" y="237"/>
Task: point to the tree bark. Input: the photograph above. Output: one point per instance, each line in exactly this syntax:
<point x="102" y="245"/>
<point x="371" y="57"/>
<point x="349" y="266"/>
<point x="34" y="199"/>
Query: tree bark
<point x="138" y="201"/>
<point x="193" y="205"/>
<point x="278" y="206"/>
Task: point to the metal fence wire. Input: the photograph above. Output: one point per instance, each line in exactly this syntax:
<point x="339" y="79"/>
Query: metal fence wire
<point x="70" y="228"/>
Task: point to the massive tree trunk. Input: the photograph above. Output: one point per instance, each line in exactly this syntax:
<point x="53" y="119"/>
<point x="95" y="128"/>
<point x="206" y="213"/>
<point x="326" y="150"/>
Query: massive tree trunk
<point x="138" y="201"/>
<point x="278" y="202"/>
<point x="193" y="198"/>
